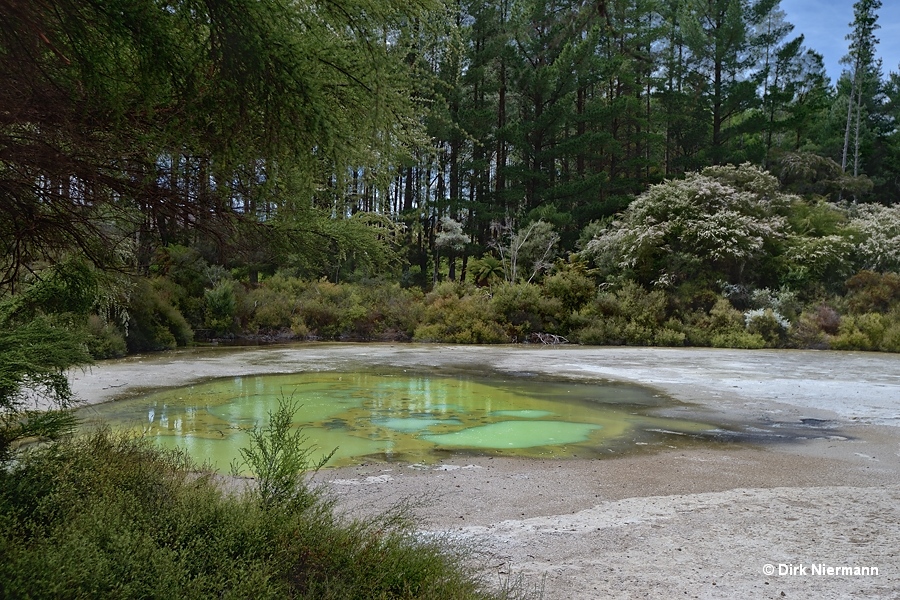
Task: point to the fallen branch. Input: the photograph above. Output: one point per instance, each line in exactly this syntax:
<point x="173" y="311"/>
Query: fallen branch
<point x="547" y="339"/>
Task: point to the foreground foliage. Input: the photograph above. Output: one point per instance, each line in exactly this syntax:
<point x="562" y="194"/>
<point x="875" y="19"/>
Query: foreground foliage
<point x="107" y="516"/>
<point x="39" y="341"/>
<point x="130" y="125"/>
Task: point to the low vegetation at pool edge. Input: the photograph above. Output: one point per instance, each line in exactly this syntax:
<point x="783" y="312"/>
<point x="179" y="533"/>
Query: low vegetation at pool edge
<point x="112" y="516"/>
<point x="865" y="316"/>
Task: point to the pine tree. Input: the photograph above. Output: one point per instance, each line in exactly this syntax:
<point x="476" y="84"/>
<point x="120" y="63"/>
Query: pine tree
<point x="134" y="119"/>
<point x="717" y="33"/>
<point x="864" y="74"/>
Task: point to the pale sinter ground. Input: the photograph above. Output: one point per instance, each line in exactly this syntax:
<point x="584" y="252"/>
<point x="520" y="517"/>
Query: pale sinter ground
<point x="820" y="490"/>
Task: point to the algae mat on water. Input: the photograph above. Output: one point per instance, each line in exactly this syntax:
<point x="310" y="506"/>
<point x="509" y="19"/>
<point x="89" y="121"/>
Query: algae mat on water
<point x="401" y="416"/>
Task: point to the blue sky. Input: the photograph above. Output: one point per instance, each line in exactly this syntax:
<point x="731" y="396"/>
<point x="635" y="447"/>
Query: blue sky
<point x="825" y="23"/>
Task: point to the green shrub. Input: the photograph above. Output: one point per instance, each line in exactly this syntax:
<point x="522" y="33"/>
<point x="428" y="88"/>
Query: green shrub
<point x="365" y="311"/>
<point x="868" y="331"/>
<point x="616" y="331"/>
<point x="184" y="267"/>
<point x="636" y="304"/>
<point x="474" y="332"/>
<point x="738" y="339"/>
<point x="393" y="311"/>
<point x="182" y="277"/>
<point x="452" y="289"/>
<point x="603" y="331"/>
<point x="279" y="458"/>
<point x="42" y="337"/>
<point x="154" y="324"/>
<point x="192" y="308"/>
<point x="461" y="314"/>
<point x="333" y="311"/>
<point x="299" y="328"/>
<point x="630" y="315"/>
<point x="107" y="516"/>
<point x="808" y="332"/>
<point x="850" y="338"/>
<point x="873" y="326"/>
<point x="571" y="286"/>
<point x="270" y="309"/>
<point x="872" y="292"/>
<point x="103" y="339"/>
<point x="890" y="340"/>
<point x="693" y="296"/>
<point x="669" y="337"/>
<point x="525" y="309"/>
<point x="723" y="316"/>
<point x="221" y="308"/>
<point x="722" y="326"/>
<point x="578" y="320"/>
<point x="636" y="334"/>
<point x="696" y="330"/>
<point x="274" y="306"/>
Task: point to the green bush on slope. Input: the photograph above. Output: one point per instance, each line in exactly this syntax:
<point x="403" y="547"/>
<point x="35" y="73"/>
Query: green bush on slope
<point x="108" y="516"/>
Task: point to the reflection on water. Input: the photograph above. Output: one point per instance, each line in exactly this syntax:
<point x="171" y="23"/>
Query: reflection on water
<point x="400" y="416"/>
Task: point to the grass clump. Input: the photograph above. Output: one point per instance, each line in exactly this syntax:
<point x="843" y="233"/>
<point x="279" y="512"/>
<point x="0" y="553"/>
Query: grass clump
<point x="112" y="516"/>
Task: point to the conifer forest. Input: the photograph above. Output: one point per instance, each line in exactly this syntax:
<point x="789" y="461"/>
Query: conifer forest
<point x="613" y="172"/>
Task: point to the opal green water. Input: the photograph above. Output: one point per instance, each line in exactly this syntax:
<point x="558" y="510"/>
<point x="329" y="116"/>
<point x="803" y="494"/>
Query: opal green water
<point x="399" y="417"/>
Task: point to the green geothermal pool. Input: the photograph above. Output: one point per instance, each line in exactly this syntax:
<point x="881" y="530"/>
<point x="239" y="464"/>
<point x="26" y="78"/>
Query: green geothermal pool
<point x="400" y="416"/>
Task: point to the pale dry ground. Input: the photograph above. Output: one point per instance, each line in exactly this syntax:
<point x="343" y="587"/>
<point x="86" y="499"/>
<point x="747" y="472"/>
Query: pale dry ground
<point x="814" y="482"/>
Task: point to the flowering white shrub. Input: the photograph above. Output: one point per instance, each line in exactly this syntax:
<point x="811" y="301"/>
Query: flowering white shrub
<point x="752" y="318"/>
<point x="451" y="235"/>
<point x="781" y="301"/>
<point x="826" y="257"/>
<point x="768" y="324"/>
<point x="879" y="228"/>
<point x="719" y="219"/>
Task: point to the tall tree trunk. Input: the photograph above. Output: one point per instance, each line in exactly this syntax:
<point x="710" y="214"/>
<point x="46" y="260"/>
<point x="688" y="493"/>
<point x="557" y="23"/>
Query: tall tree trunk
<point x="717" y="112"/>
<point x="850" y="101"/>
<point x="580" y="101"/>
<point x="856" y="136"/>
<point x="408" y="191"/>
<point x="500" y="177"/>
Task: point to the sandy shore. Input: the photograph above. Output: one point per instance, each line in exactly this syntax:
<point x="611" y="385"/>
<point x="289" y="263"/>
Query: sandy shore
<point x="813" y="485"/>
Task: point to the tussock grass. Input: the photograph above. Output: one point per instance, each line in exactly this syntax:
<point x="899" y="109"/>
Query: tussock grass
<point x="115" y="517"/>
